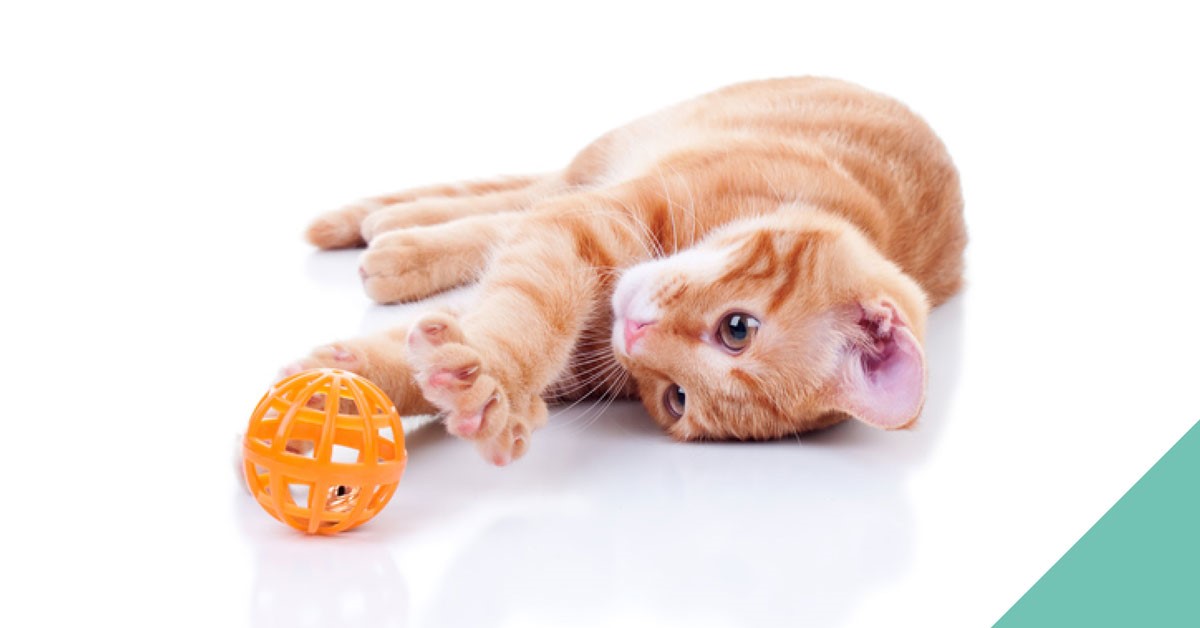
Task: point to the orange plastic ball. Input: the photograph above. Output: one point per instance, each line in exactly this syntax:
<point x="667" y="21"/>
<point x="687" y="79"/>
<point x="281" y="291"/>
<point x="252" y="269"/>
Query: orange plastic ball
<point x="324" y="451"/>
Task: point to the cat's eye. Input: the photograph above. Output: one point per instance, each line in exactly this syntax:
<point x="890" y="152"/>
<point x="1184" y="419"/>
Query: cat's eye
<point x="736" y="331"/>
<point x="675" y="399"/>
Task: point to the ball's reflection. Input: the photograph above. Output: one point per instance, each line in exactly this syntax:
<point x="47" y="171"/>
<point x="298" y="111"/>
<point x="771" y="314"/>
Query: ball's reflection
<point x="326" y="582"/>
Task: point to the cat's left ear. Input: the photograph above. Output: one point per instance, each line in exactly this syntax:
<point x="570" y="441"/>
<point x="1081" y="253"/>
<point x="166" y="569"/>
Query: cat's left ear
<point x="882" y="380"/>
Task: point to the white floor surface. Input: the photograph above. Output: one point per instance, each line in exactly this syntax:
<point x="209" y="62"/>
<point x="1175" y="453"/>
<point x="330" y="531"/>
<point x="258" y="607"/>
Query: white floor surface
<point x="159" y="164"/>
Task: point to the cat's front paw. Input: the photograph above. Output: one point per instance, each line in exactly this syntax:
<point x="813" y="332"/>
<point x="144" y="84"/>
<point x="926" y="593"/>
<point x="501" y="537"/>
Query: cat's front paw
<point x="337" y="355"/>
<point x="475" y="404"/>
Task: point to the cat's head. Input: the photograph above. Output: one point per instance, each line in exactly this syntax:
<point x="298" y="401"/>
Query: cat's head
<point x="773" y="326"/>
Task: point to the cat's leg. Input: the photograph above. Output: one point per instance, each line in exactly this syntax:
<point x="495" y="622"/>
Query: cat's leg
<point x="342" y="228"/>
<point x="414" y="263"/>
<point x="427" y="212"/>
<point x="486" y="370"/>
<point x="380" y="358"/>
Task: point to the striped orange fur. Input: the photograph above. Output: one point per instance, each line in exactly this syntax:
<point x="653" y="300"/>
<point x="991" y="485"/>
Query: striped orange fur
<point x="756" y="262"/>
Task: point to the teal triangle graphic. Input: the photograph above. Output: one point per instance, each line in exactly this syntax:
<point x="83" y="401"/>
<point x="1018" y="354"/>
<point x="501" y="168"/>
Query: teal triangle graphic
<point x="1139" y="565"/>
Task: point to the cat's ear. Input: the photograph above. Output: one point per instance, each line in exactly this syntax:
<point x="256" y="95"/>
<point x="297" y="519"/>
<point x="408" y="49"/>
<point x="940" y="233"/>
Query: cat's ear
<point x="882" y="378"/>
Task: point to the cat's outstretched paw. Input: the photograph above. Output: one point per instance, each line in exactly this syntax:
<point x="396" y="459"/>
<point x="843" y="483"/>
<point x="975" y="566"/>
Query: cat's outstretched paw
<point x="476" y="405"/>
<point x="337" y="355"/>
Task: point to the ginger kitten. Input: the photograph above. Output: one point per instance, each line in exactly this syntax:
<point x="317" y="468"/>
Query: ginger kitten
<point x="756" y="262"/>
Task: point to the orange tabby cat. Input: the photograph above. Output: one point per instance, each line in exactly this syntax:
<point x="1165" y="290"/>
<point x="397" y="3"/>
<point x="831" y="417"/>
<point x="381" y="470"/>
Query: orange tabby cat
<point x="761" y="260"/>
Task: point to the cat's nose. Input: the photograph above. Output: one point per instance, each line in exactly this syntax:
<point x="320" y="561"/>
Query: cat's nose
<point x="634" y="330"/>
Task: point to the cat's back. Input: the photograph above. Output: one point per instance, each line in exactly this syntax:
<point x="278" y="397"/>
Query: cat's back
<point x="866" y="141"/>
<point x="847" y="149"/>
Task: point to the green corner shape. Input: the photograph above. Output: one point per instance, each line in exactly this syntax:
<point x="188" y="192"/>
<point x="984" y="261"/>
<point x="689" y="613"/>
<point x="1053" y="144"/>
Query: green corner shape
<point x="1138" y="566"/>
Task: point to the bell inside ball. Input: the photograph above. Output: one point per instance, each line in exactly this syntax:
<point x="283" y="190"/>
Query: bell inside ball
<point x="324" y="451"/>
<point x="342" y="498"/>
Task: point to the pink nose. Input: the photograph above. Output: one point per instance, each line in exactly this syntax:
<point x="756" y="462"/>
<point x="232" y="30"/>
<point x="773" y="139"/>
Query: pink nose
<point x="633" y="332"/>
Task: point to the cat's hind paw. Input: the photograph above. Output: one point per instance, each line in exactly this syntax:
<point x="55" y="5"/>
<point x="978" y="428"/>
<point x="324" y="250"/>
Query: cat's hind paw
<point x="335" y="355"/>
<point x="379" y="358"/>
<point x="341" y="228"/>
<point x="408" y="265"/>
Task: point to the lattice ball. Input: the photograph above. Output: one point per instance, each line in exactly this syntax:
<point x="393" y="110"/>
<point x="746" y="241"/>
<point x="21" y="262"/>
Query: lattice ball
<point x="324" y="451"/>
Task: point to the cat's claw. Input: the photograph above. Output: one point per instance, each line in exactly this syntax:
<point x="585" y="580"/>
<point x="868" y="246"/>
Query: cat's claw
<point x="474" y="403"/>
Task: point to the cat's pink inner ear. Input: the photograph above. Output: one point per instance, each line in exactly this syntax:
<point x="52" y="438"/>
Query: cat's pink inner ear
<point x="884" y="385"/>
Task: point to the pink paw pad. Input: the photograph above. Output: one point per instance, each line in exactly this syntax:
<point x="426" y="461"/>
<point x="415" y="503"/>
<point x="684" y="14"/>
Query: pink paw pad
<point x="291" y="369"/>
<point x="316" y="402"/>
<point x="458" y="378"/>
<point x="466" y="425"/>
<point x="434" y="333"/>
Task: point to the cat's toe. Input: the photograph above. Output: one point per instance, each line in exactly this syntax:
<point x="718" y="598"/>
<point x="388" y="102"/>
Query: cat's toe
<point x="433" y="330"/>
<point x="396" y="268"/>
<point x="447" y="372"/>
<point x="377" y="223"/>
<point x="384" y="277"/>
<point x="337" y="229"/>
<point x="471" y="424"/>
<point x="506" y="446"/>
<point x="335" y="355"/>
<point x="289" y="370"/>
<point x="473" y="403"/>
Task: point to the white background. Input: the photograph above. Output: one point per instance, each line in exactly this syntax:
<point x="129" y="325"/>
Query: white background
<point x="159" y="162"/>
